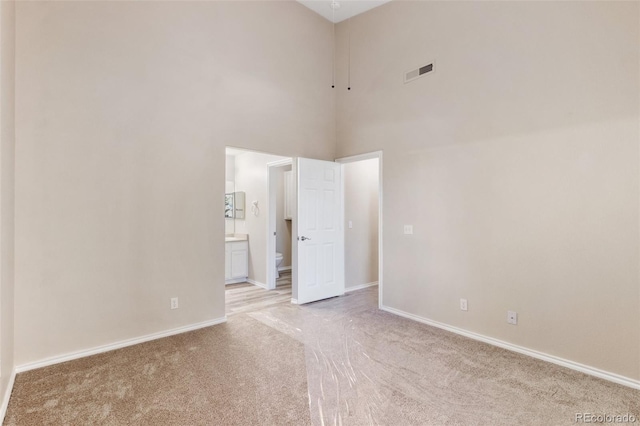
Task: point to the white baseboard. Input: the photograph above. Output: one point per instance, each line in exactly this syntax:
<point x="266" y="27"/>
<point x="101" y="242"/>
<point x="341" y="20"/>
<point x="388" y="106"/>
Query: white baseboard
<point x="284" y="268"/>
<point x="294" y="301"/>
<point x="360" y="287"/>
<point x="7" y="396"/>
<point x="117" y="345"/>
<point x="258" y="283"/>
<point x="235" y="281"/>
<point x="612" y="377"/>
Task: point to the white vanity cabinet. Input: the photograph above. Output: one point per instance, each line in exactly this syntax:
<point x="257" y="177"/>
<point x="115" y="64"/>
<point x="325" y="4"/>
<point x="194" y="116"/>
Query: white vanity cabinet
<point x="288" y="195"/>
<point x="236" y="261"/>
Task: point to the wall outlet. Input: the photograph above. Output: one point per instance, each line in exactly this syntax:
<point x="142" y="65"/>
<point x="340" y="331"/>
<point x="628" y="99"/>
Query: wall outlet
<point x="463" y="304"/>
<point x="512" y="317"/>
<point x="408" y="229"/>
<point x="174" y="303"/>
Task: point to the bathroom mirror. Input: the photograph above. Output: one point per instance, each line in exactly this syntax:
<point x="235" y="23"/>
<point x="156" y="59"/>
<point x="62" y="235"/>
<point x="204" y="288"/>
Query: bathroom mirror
<point x="228" y="206"/>
<point x="238" y="205"/>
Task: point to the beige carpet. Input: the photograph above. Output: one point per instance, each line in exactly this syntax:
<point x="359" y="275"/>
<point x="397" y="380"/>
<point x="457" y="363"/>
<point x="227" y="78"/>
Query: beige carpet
<point x="339" y="361"/>
<point x="367" y="366"/>
<point x="239" y="373"/>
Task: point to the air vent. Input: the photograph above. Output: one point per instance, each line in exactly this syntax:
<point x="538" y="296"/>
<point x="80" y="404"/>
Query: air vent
<point x="419" y="72"/>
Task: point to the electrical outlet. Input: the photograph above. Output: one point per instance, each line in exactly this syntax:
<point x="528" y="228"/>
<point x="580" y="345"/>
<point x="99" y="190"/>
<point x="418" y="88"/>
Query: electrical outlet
<point x="512" y="317"/>
<point x="463" y="304"/>
<point x="408" y="229"/>
<point x="174" y="303"/>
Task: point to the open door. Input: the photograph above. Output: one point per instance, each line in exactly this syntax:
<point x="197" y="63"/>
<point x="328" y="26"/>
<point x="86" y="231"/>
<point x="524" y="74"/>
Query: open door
<point x="320" y="232"/>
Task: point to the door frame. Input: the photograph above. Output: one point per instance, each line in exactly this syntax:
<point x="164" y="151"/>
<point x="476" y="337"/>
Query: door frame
<point x="354" y="159"/>
<point x="271" y="223"/>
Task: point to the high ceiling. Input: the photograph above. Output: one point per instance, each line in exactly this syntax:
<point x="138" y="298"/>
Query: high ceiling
<point x="346" y="9"/>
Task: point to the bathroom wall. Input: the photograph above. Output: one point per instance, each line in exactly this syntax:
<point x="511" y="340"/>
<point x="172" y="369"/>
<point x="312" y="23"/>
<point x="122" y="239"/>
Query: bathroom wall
<point x="229" y="186"/>
<point x="361" y="193"/>
<point x="516" y="162"/>
<point x="283" y="227"/>
<point x="251" y="177"/>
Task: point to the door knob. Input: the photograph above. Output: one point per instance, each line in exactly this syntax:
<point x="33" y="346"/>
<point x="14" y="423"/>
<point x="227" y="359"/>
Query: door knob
<point x="303" y="238"/>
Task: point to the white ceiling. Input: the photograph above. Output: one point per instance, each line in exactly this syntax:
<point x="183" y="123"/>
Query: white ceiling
<point x="347" y="9"/>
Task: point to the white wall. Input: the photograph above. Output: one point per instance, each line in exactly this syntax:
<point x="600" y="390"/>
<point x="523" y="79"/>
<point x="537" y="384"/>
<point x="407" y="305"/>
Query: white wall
<point x="229" y="186"/>
<point x="123" y="112"/>
<point x="251" y="177"/>
<point x="7" y="147"/>
<point x="361" y="187"/>
<point x="517" y="163"/>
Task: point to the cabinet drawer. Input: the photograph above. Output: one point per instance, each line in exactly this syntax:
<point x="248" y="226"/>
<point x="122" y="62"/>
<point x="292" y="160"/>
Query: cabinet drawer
<point x="238" y="245"/>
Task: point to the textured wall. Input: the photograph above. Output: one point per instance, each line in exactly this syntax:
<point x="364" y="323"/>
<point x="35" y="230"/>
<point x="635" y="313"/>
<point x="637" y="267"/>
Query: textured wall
<point x="361" y="187"/>
<point x="516" y="162"/>
<point x="123" y="113"/>
<point x="7" y="147"/>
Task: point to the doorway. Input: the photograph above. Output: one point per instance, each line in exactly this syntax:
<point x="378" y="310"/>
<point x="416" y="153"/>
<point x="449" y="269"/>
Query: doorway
<point x="247" y="215"/>
<point x="363" y="221"/>
<point x="261" y="270"/>
<point x="281" y="202"/>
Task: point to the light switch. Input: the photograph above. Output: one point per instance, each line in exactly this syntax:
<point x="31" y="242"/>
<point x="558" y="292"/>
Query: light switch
<point x="350" y="224"/>
<point x="408" y="229"/>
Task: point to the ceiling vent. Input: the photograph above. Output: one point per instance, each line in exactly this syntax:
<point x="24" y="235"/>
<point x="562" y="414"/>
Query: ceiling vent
<point x="419" y="72"/>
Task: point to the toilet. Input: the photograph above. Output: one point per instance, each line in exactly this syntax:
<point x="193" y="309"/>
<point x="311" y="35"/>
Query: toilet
<point x="278" y="262"/>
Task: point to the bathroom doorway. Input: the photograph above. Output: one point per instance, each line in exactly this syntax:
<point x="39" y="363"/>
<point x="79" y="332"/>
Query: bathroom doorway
<point x="281" y="204"/>
<point x="247" y="245"/>
<point x="252" y="175"/>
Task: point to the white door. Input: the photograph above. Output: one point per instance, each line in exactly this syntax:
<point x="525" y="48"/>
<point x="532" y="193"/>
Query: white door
<point x="319" y="230"/>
